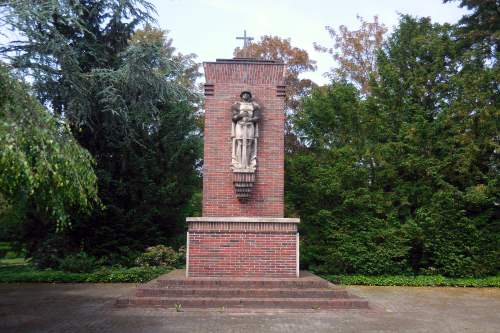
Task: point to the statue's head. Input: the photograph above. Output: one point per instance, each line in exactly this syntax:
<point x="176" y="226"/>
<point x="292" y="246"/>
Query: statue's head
<point x="246" y="95"/>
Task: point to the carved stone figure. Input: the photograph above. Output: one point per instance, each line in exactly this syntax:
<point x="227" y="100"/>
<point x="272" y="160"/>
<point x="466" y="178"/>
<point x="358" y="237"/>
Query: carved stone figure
<point x="244" y="133"/>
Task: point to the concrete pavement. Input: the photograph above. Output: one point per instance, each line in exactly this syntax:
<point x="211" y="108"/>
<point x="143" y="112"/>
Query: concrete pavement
<point x="90" y="308"/>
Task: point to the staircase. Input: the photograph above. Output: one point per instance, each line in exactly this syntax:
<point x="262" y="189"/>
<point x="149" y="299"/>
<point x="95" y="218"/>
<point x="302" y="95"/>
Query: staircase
<point x="174" y="290"/>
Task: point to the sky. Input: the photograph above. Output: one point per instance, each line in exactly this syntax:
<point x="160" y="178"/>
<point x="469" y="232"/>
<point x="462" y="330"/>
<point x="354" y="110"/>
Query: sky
<point x="209" y="28"/>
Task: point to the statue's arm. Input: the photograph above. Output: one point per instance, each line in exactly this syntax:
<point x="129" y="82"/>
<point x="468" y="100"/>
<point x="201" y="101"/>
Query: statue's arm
<point x="256" y="112"/>
<point x="235" y="108"/>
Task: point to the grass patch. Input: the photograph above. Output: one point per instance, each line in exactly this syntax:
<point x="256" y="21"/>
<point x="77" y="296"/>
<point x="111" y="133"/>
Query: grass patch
<point x="13" y="262"/>
<point x="414" y="281"/>
<point x="27" y="273"/>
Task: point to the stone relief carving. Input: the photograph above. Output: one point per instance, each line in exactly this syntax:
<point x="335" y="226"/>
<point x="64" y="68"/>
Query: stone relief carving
<point x="244" y="133"/>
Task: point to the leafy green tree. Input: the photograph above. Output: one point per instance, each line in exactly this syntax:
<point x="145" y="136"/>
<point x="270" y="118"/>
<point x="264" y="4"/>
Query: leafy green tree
<point x="129" y="100"/>
<point x="46" y="175"/>
<point x="405" y="180"/>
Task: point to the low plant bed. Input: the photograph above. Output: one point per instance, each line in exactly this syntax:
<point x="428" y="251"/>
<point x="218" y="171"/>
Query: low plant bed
<point x="28" y="273"/>
<point x="414" y="281"/>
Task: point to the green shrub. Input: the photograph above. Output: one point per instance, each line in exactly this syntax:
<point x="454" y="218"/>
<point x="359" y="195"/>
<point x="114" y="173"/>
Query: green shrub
<point x="50" y="252"/>
<point x="26" y="273"/>
<point x="124" y="256"/>
<point x="4" y="247"/>
<point x="414" y="281"/>
<point x="78" y="263"/>
<point x="133" y="274"/>
<point x="160" y="256"/>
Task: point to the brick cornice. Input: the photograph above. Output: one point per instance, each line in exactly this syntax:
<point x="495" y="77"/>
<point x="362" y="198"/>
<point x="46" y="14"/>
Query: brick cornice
<point x="244" y="219"/>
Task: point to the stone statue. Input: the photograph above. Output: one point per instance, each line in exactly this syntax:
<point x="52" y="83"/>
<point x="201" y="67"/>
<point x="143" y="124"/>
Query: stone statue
<point x="244" y="133"/>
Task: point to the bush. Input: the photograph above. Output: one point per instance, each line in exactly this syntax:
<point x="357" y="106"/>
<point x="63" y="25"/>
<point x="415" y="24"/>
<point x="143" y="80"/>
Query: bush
<point x="414" y="281"/>
<point x="50" y="252"/>
<point x="123" y="256"/>
<point x="4" y="248"/>
<point x="134" y="274"/>
<point x="13" y="274"/>
<point x="160" y="256"/>
<point x="78" y="263"/>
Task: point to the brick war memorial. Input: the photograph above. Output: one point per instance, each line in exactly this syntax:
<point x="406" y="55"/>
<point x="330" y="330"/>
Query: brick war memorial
<point x="242" y="251"/>
<point x="243" y="231"/>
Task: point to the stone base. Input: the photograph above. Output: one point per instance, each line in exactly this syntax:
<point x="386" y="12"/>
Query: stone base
<point x="175" y="290"/>
<point x="242" y="247"/>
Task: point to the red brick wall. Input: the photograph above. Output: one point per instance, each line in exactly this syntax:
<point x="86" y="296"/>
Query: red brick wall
<point x="229" y="79"/>
<point x="264" y="254"/>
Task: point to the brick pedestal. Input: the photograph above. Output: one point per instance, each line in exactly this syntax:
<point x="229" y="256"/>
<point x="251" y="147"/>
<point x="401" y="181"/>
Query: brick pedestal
<point x="242" y="231"/>
<point x="242" y="246"/>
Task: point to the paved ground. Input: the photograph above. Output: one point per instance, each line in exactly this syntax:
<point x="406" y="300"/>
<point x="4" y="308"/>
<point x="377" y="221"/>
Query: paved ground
<point x="89" y="308"/>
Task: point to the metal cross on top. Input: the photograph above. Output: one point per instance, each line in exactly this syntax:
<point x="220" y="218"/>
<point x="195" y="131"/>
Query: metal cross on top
<point x="246" y="40"/>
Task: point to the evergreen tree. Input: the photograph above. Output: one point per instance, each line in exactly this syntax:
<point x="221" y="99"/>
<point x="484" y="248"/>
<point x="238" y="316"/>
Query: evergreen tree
<point x="127" y="101"/>
<point x="405" y="180"/>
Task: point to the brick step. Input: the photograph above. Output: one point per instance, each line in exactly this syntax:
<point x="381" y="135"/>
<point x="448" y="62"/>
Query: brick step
<point x="248" y="303"/>
<point x="242" y="292"/>
<point x="243" y="283"/>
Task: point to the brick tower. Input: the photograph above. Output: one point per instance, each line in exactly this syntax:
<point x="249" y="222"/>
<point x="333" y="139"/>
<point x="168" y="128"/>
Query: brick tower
<point x="243" y="231"/>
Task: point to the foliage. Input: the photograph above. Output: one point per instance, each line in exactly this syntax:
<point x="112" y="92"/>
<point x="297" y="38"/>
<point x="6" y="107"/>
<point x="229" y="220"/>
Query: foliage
<point x="482" y="24"/>
<point x="133" y="274"/>
<point x="160" y="256"/>
<point x="415" y="281"/>
<point x="297" y="61"/>
<point x="355" y="52"/>
<point x="45" y="173"/>
<point x="49" y="252"/>
<point x="15" y="274"/>
<point x="405" y="180"/>
<point x="4" y="249"/>
<point x="130" y="100"/>
<point x="78" y="263"/>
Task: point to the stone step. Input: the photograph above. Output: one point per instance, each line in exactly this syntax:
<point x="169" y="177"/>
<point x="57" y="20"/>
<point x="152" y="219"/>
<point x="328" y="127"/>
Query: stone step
<point x="248" y="303"/>
<point x="147" y="291"/>
<point x="243" y="283"/>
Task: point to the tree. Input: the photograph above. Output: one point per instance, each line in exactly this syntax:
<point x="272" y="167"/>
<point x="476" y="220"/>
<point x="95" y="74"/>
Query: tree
<point x="61" y="40"/>
<point x="356" y="52"/>
<point x="405" y="179"/>
<point x="129" y="100"/>
<point x="483" y="24"/>
<point x="46" y="176"/>
<point x="297" y="61"/>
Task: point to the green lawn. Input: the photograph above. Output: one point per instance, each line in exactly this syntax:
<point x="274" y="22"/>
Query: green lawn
<point x="12" y="262"/>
